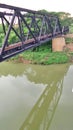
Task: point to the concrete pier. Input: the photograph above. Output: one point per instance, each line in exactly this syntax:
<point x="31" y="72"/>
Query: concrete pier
<point x="58" y="44"/>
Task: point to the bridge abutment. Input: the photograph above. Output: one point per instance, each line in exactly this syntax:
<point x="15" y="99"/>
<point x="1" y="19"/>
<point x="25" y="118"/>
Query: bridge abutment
<point x="58" y="43"/>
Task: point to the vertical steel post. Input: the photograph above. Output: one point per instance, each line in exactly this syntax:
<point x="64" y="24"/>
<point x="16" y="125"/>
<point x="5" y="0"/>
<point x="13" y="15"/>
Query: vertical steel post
<point x="60" y="28"/>
<point x="49" y="24"/>
<point x="28" y="30"/>
<point x="20" y="29"/>
<point x="40" y="33"/>
<point x="8" y="32"/>
<point x="27" y="26"/>
<point x="3" y="26"/>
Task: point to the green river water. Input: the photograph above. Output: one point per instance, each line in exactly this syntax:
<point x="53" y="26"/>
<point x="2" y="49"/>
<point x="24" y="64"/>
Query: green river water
<point x="35" y="97"/>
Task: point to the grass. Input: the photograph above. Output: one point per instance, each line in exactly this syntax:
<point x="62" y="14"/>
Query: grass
<point x="47" y="57"/>
<point x="44" y="55"/>
<point x="69" y="40"/>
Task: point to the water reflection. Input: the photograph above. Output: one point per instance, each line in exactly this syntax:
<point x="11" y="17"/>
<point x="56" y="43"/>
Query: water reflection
<point x="17" y="97"/>
<point x="30" y="95"/>
<point x="42" y="113"/>
<point x="63" y="117"/>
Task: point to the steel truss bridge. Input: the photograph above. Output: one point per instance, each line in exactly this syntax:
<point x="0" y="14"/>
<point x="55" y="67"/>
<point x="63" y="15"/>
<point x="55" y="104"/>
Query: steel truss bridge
<point x="22" y="29"/>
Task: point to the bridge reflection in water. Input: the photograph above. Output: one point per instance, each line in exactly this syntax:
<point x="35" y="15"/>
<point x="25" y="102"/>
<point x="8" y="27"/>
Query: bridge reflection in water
<point x="42" y="113"/>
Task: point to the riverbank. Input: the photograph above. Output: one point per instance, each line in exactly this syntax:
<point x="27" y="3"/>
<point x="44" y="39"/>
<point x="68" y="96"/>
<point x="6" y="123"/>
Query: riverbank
<point x="45" y="56"/>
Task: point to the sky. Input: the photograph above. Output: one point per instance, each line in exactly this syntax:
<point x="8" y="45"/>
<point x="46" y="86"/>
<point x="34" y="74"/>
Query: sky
<point x="49" y="5"/>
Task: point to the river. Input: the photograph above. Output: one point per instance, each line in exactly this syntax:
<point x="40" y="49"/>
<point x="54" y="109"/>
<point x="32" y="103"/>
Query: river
<point x="35" y="97"/>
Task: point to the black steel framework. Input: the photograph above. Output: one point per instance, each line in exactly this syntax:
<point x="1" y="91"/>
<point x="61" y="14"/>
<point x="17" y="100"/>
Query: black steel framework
<point x="27" y="28"/>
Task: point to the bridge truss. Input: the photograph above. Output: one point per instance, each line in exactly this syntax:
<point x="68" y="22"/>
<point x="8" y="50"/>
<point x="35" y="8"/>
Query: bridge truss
<point x="22" y="29"/>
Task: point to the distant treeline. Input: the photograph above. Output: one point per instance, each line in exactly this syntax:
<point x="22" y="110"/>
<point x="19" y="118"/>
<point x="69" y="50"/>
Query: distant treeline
<point x="65" y="18"/>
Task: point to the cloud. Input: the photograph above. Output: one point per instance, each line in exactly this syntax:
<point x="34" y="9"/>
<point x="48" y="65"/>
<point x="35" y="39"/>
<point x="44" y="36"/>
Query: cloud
<point x="50" y="5"/>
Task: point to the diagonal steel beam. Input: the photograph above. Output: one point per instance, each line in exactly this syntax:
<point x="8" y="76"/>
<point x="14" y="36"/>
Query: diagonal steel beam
<point x="27" y="25"/>
<point x="8" y="32"/>
<point x="21" y="33"/>
<point x="35" y="22"/>
<point x="13" y="28"/>
<point x="49" y="23"/>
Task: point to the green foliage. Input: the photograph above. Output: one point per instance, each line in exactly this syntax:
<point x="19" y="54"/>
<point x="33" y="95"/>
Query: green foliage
<point x="69" y="40"/>
<point x="64" y="18"/>
<point x="71" y="28"/>
<point x="45" y="56"/>
<point x="1" y="39"/>
<point x="12" y="38"/>
<point x="1" y="28"/>
<point x="57" y="58"/>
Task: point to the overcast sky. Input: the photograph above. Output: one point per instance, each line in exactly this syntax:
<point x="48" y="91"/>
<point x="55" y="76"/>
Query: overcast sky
<point x="50" y="5"/>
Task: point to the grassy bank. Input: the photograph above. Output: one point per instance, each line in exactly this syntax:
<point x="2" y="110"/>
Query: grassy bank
<point x="44" y="55"/>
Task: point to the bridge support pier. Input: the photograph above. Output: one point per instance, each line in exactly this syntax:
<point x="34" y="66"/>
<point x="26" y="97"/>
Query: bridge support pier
<point x="58" y="43"/>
